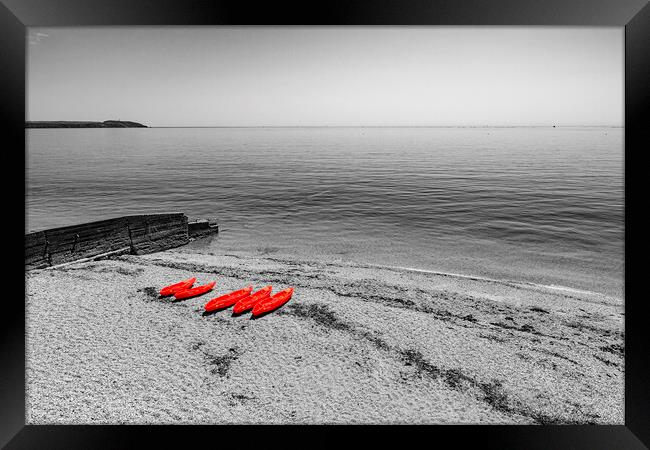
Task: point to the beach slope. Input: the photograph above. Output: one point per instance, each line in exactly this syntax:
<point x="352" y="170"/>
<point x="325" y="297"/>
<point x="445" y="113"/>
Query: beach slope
<point x="356" y="344"/>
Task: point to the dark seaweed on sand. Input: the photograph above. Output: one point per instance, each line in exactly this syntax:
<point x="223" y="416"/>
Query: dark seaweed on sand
<point x="221" y="363"/>
<point x="151" y="293"/>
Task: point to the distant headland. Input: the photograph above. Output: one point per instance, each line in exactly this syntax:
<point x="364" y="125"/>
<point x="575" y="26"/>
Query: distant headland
<point x="74" y="124"/>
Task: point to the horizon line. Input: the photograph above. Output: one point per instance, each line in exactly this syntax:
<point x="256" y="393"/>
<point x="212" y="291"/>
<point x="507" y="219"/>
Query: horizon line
<point x="343" y="126"/>
<point x="384" y="126"/>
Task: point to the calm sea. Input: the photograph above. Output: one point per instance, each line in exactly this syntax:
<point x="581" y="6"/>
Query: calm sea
<point x="544" y="205"/>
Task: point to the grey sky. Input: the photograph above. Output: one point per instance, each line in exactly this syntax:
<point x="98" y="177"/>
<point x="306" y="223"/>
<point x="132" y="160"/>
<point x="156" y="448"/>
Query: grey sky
<point x="247" y="76"/>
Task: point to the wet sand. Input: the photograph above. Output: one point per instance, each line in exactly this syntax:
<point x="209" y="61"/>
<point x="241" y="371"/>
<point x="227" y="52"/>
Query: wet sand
<point x="356" y="344"/>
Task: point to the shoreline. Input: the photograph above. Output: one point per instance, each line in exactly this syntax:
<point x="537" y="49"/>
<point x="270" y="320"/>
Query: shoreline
<point x="542" y="276"/>
<point x="529" y="284"/>
<point x="356" y="344"/>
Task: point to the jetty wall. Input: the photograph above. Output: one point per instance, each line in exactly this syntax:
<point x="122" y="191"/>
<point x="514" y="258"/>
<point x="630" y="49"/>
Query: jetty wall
<point x="139" y="234"/>
<point x="200" y="228"/>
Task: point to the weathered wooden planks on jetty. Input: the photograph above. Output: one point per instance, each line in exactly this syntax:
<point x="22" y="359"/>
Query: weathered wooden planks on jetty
<point x="139" y="234"/>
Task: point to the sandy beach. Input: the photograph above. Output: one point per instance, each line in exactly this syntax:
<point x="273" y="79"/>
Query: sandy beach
<point x="356" y="344"/>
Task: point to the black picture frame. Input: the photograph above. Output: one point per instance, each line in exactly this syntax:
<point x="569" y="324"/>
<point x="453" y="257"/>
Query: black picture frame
<point x="634" y="15"/>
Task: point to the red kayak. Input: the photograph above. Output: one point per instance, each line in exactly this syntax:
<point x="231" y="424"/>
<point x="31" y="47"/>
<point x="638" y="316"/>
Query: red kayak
<point x="195" y="291"/>
<point x="272" y="303"/>
<point x="227" y="300"/>
<point x="247" y="303"/>
<point x="173" y="288"/>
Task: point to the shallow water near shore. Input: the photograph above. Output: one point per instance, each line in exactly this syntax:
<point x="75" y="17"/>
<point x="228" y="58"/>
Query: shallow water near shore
<point x="543" y="205"/>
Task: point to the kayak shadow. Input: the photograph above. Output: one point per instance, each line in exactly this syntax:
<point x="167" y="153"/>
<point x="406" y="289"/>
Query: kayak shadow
<point x="267" y="313"/>
<point x="168" y="299"/>
<point x="214" y="311"/>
